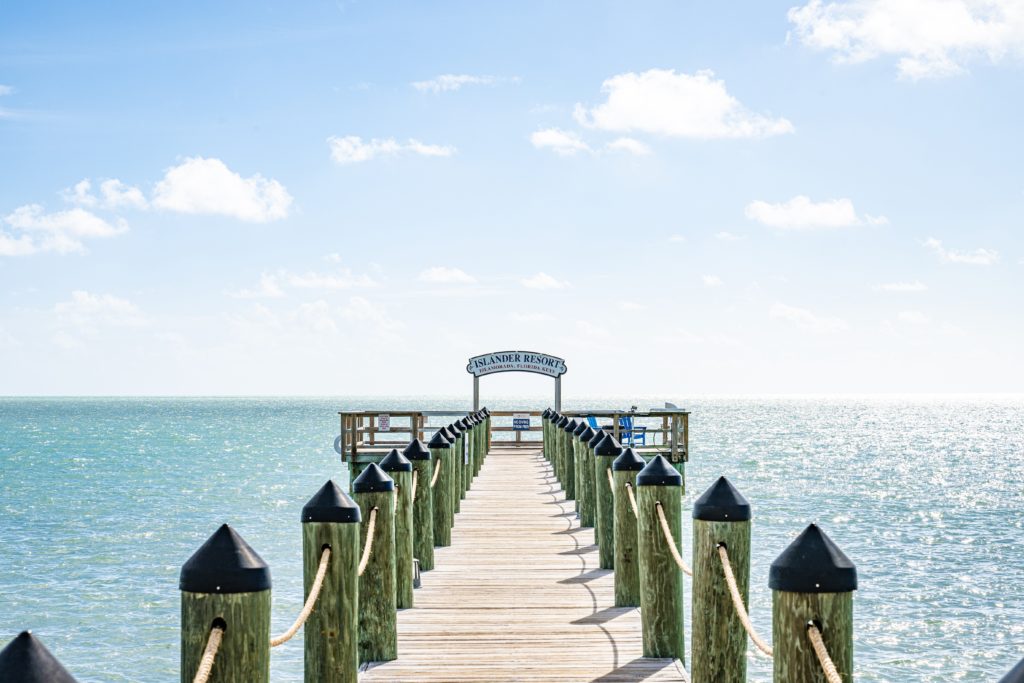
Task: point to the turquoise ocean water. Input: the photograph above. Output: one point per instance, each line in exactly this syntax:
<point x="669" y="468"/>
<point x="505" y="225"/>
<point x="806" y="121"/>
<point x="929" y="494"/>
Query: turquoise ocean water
<point x="101" y="500"/>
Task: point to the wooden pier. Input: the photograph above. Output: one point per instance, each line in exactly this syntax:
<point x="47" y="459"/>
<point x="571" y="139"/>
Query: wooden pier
<point x="518" y="596"/>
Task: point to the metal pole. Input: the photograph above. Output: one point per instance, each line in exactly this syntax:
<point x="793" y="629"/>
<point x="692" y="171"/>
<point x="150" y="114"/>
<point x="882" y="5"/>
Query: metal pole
<point x="476" y="393"/>
<point x="558" y="394"/>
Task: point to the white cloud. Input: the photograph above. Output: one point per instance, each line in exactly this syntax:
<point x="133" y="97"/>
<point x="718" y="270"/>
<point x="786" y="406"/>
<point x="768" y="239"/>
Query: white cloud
<point x="929" y="38"/>
<point x="116" y="195"/>
<point x="453" y="82"/>
<point x="86" y="315"/>
<point x="374" y="317"/>
<point x="442" y="274"/>
<point x="711" y="281"/>
<point x="61" y="231"/>
<point x="208" y="186"/>
<point x="344" y="278"/>
<point x="80" y="193"/>
<point x="915" y="286"/>
<point x="806" y="320"/>
<point x="6" y="90"/>
<point x="725" y="236"/>
<point x="677" y="239"/>
<point x="352" y="150"/>
<point x="632" y="306"/>
<point x="269" y="288"/>
<point x="662" y="102"/>
<point x="562" y="142"/>
<point x="912" y="317"/>
<point x="978" y="257"/>
<point x="543" y="281"/>
<point x="800" y="213"/>
<point x="630" y="145"/>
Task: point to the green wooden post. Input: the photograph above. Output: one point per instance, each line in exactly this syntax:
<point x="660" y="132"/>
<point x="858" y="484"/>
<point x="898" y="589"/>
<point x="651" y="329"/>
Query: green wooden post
<point x="225" y="583"/>
<point x="458" y="430"/>
<point x="331" y="520"/>
<point x="627" y="560"/>
<point x="559" y="430"/>
<point x="586" y="469"/>
<point x="487" y="444"/>
<point x="661" y="579"/>
<point x="721" y="517"/>
<point x="569" y="466"/>
<point x="605" y="453"/>
<point x="422" y="504"/>
<point x="26" y="660"/>
<point x="441" y="452"/>
<point x="399" y="468"/>
<point x="812" y="581"/>
<point x="378" y="627"/>
<point x="472" y="453"/>
<point x="545" y="423"/>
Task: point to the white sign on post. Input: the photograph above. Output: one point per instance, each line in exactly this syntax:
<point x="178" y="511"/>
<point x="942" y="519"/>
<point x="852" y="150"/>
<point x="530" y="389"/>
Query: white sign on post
<point x="383" y="423"/>
<point x="516" y="361"/>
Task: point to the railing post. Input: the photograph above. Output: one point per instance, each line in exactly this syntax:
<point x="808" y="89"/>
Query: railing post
<point x="605" y="453"/>
<point x="226" y="584"/>
<point x="545" y="422"/>
<point x="399" y="469"/>
<point x="378" y="629"/>
<point x="423" y="504"/>
<point x="472" y="453"/>
<point x="441" y="452"/>
<point x="26" y="660"/>
<point x="812" y="581"/>
<point x="487" y="440"/>
<point x="331" y="633"/>
<point x="457" y="429"/>
<point x="557" y="434"/>
<point x="584" y="472"/>
<point x="661" y="579"/>
<point x="627" y="560"/>
<point x="721" y="517"/>
<point x="569" y="485"/>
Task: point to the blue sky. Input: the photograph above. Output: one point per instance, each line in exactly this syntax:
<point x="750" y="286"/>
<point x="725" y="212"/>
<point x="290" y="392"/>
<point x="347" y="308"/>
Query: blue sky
<point x="355" y="197"/>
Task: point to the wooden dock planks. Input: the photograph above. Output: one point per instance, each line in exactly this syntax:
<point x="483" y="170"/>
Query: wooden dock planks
<point x="518" y="596"/>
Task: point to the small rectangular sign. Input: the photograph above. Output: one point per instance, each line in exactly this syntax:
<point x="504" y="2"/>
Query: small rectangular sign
<point x="521" y="422"/>
<point x="383" y="423"/>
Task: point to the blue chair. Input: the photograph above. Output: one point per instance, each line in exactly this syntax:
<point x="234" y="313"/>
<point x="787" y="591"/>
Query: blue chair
<point x="592" y="421"/>
<point x="632" y="435"/>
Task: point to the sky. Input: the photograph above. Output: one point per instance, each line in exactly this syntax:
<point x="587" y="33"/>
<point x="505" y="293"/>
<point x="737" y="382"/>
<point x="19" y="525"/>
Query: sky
<point x="355" y="197"/>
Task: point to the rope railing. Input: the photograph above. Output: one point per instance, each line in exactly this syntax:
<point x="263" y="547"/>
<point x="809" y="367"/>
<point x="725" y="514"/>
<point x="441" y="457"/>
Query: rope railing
<point x="818" y="643"/>
<point x="737" y="602"/>
<point x="632" y="499"/>
<point x="437" y="473"/>
<point x="209" y="654"/>
<point x="307" y="609"/>
<point x="371" y="526"/>
<point x="671" y="542"/>
<point x="611" y="480"/>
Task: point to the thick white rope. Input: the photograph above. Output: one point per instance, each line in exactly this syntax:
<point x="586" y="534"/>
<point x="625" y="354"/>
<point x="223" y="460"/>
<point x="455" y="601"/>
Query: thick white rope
<point x="737" y="602"/>
<point x="611" y="480"/>
<point x="667" y="533"/>
<point x="632" y="499"/>
<point x="371" y="526"/>
<point x="437" y="473"/>
<point x="209" y="655"/>
<point x="818" y="643"/>
<point x="307" y="609"/>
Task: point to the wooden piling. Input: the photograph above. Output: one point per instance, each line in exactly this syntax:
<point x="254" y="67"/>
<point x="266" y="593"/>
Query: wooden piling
<point x="226" y="584"/>
<point x="472" y="452"/>
<point x="331" y="520"/>
<point x="378" y="628"/>
<point x="661" y="579"/>
<point x="718" y="651"/>
<point x="545" y="424"/>
<point x="605" y="453"/>
<point x="487" y="438"/>
<point x="569" y="464"/>
<point x="627" y="561"/>
<point x="558" y="434"/>
<point x="422" y="504"/>
<point x="441" y="453"/>
<point x="26" y="660"/>
<point x="399" y="468"/>
<point x="812" y="581"/>
<point x="458" y="429"/>
<point x="584" y="472"/>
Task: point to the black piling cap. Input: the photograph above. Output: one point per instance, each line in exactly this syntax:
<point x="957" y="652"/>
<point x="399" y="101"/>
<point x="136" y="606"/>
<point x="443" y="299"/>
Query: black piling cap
<point x="596" y="439"/>
<point x="451" y="432"/>
<point x="26" y="660"/>
<point x="562" y="421"/>
<point x="722" y="503"/>
<point x="395" y="462"/>
<point x="225" y="563"/>
<point x="330" y="504"/>
<point x="659" y="472"/>
<point x="546" y="414"/>
<point x="608" y="446"/>
<point x="462" y="424"/>
<point x="570" y="426"/>
<point x="486" y="411"/>
<point x="629" y="461"/>
<point x="812" y="564"/>
<point x="1016" y="674"/>
<point x="439" y="440"/>
<point x="416" y="450"/>
<point x="586" y="435"/>
<point x="373" y="479"/>
<point x="580" y="427"/>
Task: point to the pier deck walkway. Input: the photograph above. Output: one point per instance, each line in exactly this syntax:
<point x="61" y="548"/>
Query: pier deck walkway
<point x="518" y="596"/>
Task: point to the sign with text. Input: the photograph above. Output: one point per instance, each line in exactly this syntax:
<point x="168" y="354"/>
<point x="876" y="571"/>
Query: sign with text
<point x="383" y="423"/>
<point x="521" y="422"/>
<point x="516" y="361"/>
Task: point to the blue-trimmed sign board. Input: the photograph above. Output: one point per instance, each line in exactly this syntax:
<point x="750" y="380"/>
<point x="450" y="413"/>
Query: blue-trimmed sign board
<point x="516" y="361"/>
